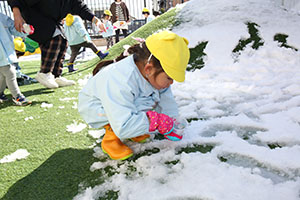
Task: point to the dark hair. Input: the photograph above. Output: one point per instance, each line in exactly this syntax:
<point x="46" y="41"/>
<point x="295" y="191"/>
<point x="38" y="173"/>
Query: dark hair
<point x="104" y="15"/>
<point x="155" y="13"/>
<point x="145" y="13"/>
<point x="140" y="55"/>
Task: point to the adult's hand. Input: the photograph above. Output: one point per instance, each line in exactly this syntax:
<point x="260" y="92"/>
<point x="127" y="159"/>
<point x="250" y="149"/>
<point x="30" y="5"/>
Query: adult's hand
<point x="18" y="19"/>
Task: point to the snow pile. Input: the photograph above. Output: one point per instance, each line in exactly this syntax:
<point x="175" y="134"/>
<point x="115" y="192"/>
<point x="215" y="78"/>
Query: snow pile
<point x="243" y="139"/>
<point x="75" y="127"/>
<point x="46" y="105"/>
<point x="17" y="155"/>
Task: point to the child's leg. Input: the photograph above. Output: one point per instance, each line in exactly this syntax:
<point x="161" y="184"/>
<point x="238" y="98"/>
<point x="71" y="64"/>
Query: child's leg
<point x="95" y="50"/>
<point x="111" y="41"/>
<point x="75" y="50"/>
<point x="90" y="45"/>
<point x="2" y="82"/>
<point x="9" y="74"/>
<point x="107" y="42"/>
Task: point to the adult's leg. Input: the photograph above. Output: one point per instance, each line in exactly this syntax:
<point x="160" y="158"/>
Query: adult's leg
<point x="49" y="53"/>
<point x="124" y="31"/>
<point x="53" y="52"/>
<point x="62" y="48"/>
<point x="117" y="35"/>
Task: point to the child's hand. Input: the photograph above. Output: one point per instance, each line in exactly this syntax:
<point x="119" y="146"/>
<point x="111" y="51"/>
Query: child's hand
<point x="164" y="124"/>
<point x="99" y="25"/>
<point x="86" y="38"/>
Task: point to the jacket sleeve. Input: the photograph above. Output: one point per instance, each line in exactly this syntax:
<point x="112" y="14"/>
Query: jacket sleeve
<point x="126" y="12"/>
<point x="118" y="103"/>
<point x="78" y="7"/>
<point x="12" y="29"/>
<point x="167" y="104"/>
<point x="21" y="4"/>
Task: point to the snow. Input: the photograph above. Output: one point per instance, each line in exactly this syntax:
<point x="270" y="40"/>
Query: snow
<point x="17" y="155"/>
<point x="76" y="127"/>
<point x="249" y="104"/>
<point x="46" y="105"/>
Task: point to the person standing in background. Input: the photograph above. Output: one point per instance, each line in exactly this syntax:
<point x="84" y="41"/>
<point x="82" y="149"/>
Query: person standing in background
<point x="109" y="29"/>
<point x="147" y="15"/>
<point x="120" y="17"/>
<point x="45" y="17"/>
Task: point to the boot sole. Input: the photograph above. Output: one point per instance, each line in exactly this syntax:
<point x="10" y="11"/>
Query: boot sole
<point x="124" y="158"/>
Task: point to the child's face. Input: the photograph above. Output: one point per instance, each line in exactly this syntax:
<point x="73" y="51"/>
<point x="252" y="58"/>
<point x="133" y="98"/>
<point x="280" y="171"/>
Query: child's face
<point x="106" y="17"/>
<point x="161" y="81"/>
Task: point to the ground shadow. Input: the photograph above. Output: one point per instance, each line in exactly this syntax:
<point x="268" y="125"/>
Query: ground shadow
<point x="26" y="94"/>
<point x="58" y="177"/>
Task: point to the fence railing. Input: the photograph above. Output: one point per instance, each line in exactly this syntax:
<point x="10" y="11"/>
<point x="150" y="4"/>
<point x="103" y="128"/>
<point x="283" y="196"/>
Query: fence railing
<point x="98" y="6"/>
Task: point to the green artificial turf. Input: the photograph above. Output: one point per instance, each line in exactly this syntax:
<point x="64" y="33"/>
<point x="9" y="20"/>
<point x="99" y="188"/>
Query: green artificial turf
<point x="59" y="160"/>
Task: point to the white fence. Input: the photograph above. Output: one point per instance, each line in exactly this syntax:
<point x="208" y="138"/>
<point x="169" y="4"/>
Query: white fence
<point x="289" y="4"/>
<point x="135" y="7"/>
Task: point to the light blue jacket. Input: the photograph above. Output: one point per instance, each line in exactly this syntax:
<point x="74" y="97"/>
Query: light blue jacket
<point x="150" y="18"/>
<point x="7" y="48"/>
<point x="109" y="29"/>
<point x="121" y="96"/>
<point x="76" y="33"/>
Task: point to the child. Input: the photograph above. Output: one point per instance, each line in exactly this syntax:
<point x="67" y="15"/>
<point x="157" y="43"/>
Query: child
<point x="20" y="48"/>
<point x="109" y="29"/>
<point x="7" y="58"/>
<point x="147" y="15"/>
<point x="132" y="97"/>
<point x="78" y="37"/>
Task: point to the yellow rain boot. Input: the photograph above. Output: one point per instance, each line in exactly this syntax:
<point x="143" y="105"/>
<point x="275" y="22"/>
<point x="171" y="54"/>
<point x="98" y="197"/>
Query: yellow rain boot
<point x="141" y="138"/>
<point x="113" y="146"/>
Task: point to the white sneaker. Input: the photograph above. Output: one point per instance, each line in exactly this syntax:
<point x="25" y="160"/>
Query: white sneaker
<point x="61" y="81"/>
<point x="46" y="79"/>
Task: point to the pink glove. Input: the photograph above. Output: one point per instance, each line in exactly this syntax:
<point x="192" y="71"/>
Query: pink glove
<point x="164" y="124"/>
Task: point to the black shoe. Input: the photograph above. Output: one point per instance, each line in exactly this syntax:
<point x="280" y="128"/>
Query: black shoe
<point x="3" y="98"/>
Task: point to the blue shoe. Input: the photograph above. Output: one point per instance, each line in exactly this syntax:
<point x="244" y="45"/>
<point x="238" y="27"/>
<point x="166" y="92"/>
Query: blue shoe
<point x="102" y="55"/>
<point x="71" y="68"/>
<point x="3" y="98"/>
<point x="21" y="101"/>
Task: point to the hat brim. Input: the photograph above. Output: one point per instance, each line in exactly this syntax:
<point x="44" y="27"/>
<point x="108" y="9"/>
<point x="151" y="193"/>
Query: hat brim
<point x="174" y="74"/>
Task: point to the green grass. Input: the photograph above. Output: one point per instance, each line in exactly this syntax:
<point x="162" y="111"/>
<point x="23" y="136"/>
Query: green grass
<point x="58" y="160"/>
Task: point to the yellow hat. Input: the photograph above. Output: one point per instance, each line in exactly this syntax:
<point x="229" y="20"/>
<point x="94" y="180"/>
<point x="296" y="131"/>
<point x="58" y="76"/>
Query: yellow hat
<point x="69" y="19"/>
<point x="107" y="12"/>
<point x="19" y="44"/>
<point x="172" y="52"/>
<point x="146" y="10"/>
